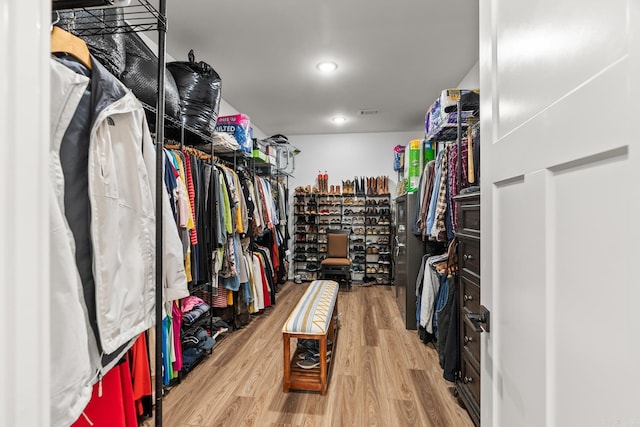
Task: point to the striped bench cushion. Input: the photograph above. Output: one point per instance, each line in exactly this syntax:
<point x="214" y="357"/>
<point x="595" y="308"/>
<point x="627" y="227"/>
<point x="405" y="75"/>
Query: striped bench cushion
<point x="312" y="314"/>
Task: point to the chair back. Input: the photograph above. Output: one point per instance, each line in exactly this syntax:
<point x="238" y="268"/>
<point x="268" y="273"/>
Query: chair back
<point x="337" y="244"/>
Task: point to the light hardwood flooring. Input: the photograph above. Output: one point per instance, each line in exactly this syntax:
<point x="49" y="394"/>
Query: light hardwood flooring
<point x="382" y="374"/>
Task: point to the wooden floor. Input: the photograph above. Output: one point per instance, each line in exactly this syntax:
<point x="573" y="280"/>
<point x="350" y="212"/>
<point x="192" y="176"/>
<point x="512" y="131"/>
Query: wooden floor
<point x="382" y="376"/>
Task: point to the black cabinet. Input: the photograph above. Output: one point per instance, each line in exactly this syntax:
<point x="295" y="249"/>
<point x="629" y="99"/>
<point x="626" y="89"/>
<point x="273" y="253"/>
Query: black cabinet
<point x="408" y="254"/>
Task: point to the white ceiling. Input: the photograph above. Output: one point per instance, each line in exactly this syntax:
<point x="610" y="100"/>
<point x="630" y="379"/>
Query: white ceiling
<point x="395" y="57"/>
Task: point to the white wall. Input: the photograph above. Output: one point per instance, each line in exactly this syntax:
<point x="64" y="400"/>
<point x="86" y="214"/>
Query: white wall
<point x="24" y="214"/>
<point x="346" y="155"/>
<point x="472" y="79"/>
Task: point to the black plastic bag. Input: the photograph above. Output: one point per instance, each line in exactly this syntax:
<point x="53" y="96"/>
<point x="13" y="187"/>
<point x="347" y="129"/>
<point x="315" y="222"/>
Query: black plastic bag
<point x="108" y="48"/>
<point x="141" y="76"/>
<point x="200" y="90"/>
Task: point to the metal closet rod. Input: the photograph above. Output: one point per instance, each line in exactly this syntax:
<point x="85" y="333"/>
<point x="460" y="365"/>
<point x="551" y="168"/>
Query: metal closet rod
<point x="162" y="38"/>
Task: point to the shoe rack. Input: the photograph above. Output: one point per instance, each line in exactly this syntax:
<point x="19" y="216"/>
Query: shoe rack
<point x="378" y="239"/>
<point x="367" y="210"/>
<point x="306" y="262"/>
<point x="362" y="205"/>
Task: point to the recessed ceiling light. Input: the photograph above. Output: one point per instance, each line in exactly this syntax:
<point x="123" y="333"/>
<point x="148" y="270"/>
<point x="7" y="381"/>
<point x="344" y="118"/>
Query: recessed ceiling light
<point x="339" y="120"/>
<point x="327" y="66"/>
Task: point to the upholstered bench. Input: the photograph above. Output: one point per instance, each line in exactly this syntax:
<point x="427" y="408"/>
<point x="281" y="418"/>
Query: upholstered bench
<point x="313" y="318"/>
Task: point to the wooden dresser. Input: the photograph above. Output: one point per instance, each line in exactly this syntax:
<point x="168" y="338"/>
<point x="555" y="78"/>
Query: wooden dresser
<point x="468" y="378"/>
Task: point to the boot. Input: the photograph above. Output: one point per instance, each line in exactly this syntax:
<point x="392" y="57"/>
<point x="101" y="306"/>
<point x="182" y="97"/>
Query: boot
<point x="362" y="185"/>
<point x="332" y="189"/>
<point x="338" y="190"/>
<point x="357" y="185"/>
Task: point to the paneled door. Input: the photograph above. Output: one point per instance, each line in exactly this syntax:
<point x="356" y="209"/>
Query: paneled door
<point x="560" y="204"/>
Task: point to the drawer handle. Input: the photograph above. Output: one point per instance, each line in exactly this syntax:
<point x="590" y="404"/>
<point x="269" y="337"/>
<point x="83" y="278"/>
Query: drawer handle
<point x="467" y="257"/>
<point x="468" y="298"/>
<point x="467" y="339"/>
<point x="467" y="380"/>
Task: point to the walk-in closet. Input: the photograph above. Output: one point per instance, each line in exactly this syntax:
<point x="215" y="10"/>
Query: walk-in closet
<point x="319" y="214"/>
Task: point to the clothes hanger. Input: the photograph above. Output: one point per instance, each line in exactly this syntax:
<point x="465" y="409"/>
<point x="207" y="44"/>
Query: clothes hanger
<point x="56" y="21"/>
<point x="64" y="41"/>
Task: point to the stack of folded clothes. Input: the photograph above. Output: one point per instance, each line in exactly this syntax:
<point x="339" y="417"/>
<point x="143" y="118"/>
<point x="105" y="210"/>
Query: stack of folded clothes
<point x="194" y="346"/>
<point x="195" y="343"/>
<point x="192" y="309"/>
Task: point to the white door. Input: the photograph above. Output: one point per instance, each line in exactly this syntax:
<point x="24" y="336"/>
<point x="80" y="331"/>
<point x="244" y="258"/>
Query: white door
<point x="560" y="104"/>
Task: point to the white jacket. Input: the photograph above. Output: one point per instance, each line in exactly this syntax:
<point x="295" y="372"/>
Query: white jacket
<point x="121" y="173"/>
<point x="122" y="195"/>
<point x="74" y="353"/>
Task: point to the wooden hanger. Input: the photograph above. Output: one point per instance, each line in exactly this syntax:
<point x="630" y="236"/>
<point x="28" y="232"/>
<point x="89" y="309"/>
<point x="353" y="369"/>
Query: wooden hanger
<point x="63" y="41"/>
<point x="201" y="154"/>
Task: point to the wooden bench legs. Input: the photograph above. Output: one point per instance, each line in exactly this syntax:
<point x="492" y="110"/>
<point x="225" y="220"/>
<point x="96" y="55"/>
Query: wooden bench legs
<point x="315" y="378"/>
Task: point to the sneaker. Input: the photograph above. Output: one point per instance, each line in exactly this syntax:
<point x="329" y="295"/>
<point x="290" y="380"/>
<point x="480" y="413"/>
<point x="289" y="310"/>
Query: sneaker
<point x="312" y="352"/>
<point x="314" y="344"/>
<point x="310" y="361"/>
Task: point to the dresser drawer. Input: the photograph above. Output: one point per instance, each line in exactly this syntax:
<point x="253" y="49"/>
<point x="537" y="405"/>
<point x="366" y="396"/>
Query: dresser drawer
<point x="470" y="379"/>
<point x="470" y="341"/>
<point x="470" y="292"/>
<point x="469" y="219"/>
<point x="469" y="255"/>
<point x="469" y="214"/>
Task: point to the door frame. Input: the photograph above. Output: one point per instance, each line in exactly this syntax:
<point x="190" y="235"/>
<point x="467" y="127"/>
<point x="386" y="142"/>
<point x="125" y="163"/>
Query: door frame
<point x="24" y="219"/>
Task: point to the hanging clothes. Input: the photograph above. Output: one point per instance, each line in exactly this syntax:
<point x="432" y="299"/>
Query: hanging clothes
<point x="109" y="210"/>
<point x="141" y="375"/>
<point x="74" y="351"/>
<point x="453" y="178"/>
<point x="112" y="403"/>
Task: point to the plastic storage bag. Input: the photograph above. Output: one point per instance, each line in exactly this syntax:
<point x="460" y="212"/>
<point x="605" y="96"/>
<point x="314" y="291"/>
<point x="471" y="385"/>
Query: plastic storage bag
<point x="238" y="125"/>
<point x="141" y="76"/>
<point x="200" y="90"/>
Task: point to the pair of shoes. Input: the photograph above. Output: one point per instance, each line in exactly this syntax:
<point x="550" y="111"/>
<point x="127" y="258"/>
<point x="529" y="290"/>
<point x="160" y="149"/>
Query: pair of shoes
<point x="313" y="344"/>
<point x="312" y="352"/>
<point x="310" y="362"/>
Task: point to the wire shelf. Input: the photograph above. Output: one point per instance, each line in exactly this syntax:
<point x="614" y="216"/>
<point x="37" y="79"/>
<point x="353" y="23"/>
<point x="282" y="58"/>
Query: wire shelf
<point x="139" y="16"/>
<point x="173" y="129"/>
